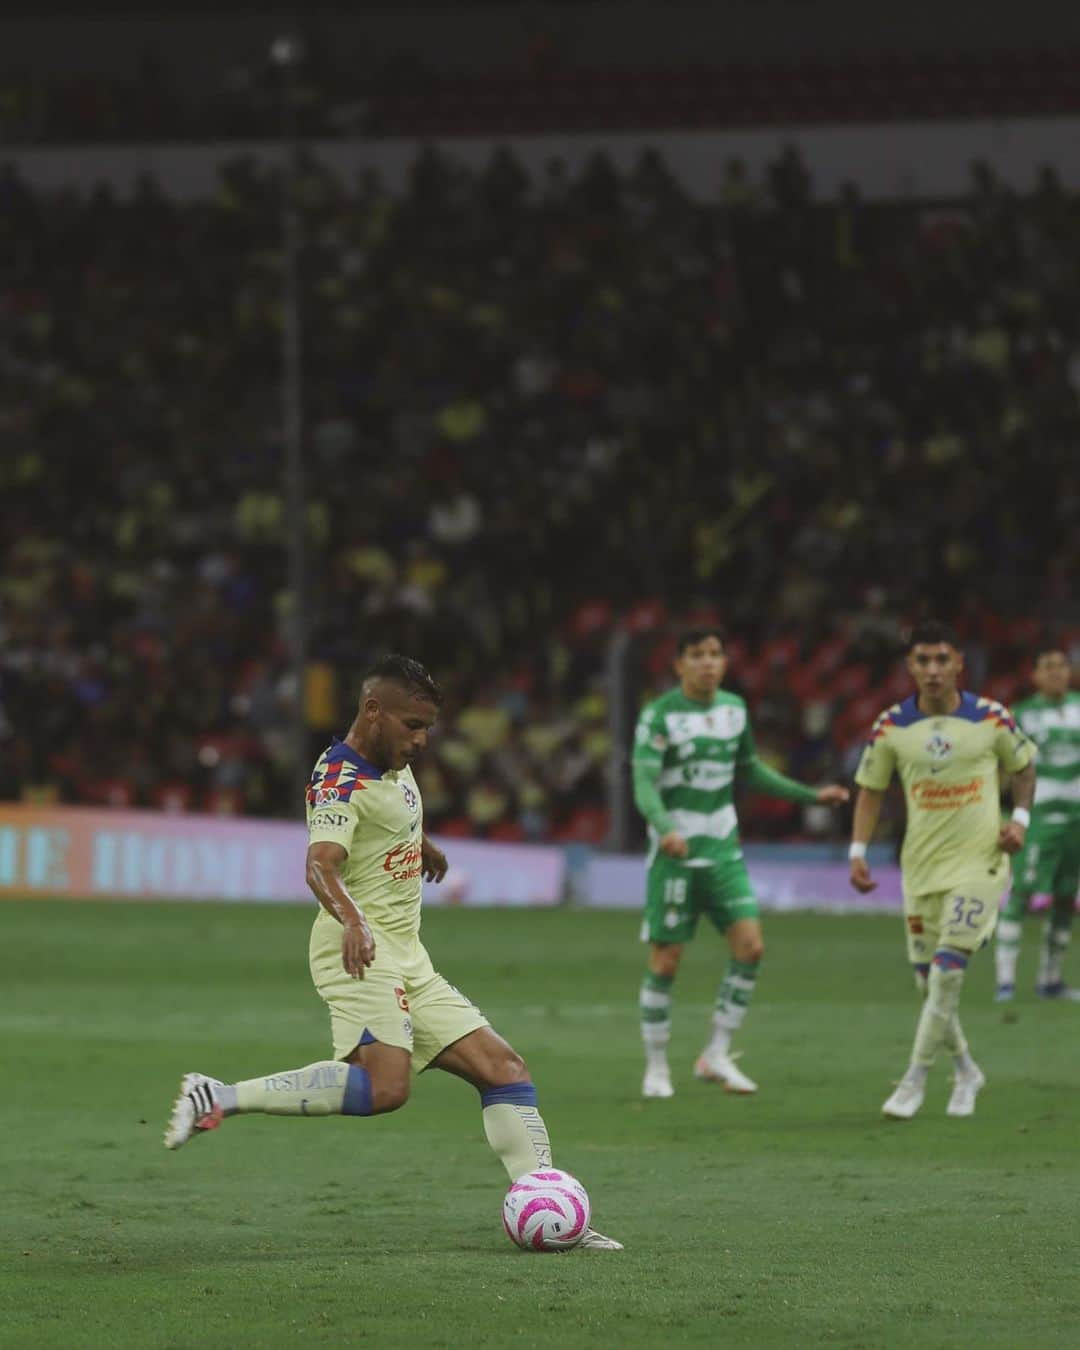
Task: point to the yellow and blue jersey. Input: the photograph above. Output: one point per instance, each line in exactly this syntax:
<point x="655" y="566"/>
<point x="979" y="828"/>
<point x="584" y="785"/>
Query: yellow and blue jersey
<point x="377" y="817"/>
<point x="949" y="767"/>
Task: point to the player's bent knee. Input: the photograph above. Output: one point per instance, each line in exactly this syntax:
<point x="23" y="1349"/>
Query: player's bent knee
<point x="508" y="1068"/>
<point x="664" y="959"/>
<point x="388" y="1094"/>
<point x="388" y="1068"/>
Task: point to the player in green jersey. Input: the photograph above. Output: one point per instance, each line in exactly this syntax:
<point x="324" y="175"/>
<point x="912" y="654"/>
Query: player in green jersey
<point x="390" y="1011"/>
<point x="690" y="746"/>
<point x="1049" y="862"/>
<point x="949" y="749"/>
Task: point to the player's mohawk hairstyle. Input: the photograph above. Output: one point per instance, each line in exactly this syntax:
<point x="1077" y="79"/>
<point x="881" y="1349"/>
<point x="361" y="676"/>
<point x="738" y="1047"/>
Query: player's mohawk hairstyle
<point x="410" y="674"/>
<point x="929" y="633"/>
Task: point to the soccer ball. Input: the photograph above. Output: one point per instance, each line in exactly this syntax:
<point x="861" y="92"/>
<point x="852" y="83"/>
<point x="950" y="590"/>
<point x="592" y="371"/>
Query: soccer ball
<point x="546" y="1211"/>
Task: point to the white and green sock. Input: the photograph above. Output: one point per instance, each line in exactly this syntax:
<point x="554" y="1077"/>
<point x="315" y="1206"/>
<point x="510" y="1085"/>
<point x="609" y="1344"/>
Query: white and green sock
<point x="654" y="1007"/>
<point x="1056" y="937"/>
<point x="1007" y="950"/>
<point x="732" y="1001"/>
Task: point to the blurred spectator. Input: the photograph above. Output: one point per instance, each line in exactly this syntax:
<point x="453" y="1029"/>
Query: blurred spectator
<point x="537" y="418"/>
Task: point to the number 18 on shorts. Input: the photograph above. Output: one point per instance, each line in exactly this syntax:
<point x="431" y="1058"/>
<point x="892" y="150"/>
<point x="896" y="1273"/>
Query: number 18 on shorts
<point x="677" y="896"/>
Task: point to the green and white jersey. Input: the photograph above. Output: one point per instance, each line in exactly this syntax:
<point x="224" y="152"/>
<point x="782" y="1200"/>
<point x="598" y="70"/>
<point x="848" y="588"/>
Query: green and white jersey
<point x="685" y="758"/>
<point x="1054" y="726"/>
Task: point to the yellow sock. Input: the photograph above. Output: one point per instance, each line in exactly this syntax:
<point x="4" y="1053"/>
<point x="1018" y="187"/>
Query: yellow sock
<point x="515" y="1128"/>
<point x="328" y="1088"/>
<point x="938" y="1013"/>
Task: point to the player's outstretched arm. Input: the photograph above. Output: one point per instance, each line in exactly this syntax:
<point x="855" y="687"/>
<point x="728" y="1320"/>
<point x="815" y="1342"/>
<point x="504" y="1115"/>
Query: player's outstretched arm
<point x="867" y="811"/>
<point x="323" y="876"/>
<point x="758" y="777"/>
<point x="1022" y="788"/>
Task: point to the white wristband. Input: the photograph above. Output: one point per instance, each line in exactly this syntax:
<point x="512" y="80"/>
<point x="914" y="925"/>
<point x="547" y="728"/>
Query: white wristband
<point x="856" y="850"/>
<point x="1022" y="816"/>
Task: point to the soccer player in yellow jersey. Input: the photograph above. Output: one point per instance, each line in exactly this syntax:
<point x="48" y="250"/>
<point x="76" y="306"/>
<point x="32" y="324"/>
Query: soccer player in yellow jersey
<point x="949" y="749"/>
<point x="390" y="1011"/>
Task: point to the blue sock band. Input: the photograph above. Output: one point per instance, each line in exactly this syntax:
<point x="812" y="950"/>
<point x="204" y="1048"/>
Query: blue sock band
<point x="357" y="1092"/>
<point x="514" y="1094"/>
<point x="922" y="968"/>
<point x="947" y="959"/>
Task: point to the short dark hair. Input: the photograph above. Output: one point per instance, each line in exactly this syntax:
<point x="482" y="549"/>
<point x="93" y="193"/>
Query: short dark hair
<point x="690" y="637"/>
<point x="410" y="674"/>
<point x="1048" y="647"/>
<point x="931" y="632"/>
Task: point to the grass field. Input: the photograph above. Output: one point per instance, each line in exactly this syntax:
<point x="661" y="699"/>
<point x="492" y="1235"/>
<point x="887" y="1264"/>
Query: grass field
<point x="795" y="1218"/>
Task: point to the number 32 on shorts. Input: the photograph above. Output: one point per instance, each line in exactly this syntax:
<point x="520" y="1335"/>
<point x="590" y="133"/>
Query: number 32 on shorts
<point x="967" y="911"/>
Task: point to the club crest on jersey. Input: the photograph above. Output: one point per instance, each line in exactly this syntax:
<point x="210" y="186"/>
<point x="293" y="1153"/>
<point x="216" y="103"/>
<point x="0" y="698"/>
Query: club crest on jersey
<point x="644" y="735"/>
<point x="409" y="795"/>
<point x="939" y="748"/>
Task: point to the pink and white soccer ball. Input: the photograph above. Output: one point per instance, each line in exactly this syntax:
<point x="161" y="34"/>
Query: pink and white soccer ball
<point x="546" y="1211"/>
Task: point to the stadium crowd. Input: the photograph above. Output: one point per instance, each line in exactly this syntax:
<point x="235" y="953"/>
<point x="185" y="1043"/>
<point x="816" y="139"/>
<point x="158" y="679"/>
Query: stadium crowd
<point x="537" y="412"/>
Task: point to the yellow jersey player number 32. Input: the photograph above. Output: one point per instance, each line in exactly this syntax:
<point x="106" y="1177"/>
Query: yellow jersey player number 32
<point x="951" y="750"/>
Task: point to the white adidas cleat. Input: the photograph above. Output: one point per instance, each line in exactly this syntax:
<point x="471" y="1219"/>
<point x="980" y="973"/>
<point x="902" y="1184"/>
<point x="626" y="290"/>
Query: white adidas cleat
<point x="597" y="1242"/>
<point x="196" y="1109"/>
<point x="965" y="1089"/>
<point x="713" y="1068"/>
<point x="907" y="1098"/>
<point x="657" y="1082"/>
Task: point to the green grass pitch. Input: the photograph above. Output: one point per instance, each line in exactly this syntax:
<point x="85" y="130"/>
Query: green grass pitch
<point x="797" y="1218"/>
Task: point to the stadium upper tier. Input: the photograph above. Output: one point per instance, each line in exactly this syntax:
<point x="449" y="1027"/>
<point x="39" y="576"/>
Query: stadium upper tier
<point x="543" y="91"/>
<point x="537" y="412"/>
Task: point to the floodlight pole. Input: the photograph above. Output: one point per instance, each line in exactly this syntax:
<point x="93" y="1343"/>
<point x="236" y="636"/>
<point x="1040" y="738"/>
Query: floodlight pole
<point x="620" y="727"/>
<point x="286" y="53"/>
